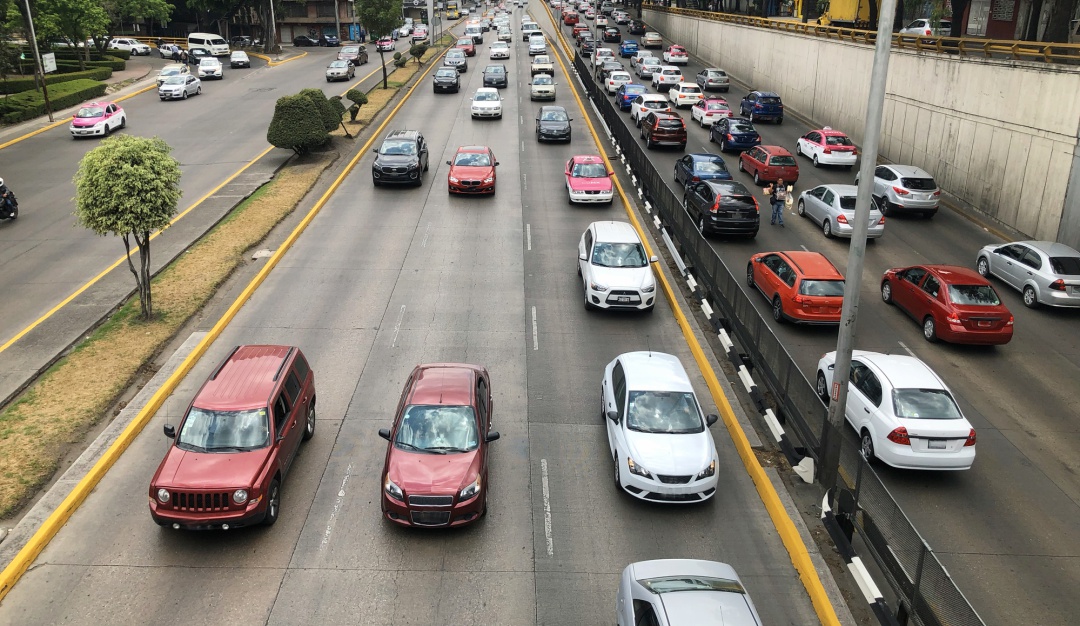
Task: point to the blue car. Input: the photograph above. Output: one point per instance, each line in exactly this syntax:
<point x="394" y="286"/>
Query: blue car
<point x="762" y="105"/>
<point x="628" y="48"/>
<point x="734" y="133"/>
<point x="626" y="94"/>
<point x="693" y="168"/>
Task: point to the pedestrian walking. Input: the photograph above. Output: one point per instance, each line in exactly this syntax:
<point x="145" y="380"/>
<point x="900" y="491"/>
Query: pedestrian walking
<point x="778" y="195"/>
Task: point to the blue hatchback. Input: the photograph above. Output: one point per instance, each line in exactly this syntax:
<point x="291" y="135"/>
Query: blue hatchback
<point x="626" y="94"/>
<point x="693" y="168"/>
<point x="734" y="133"/>
<point x="628" y="48"/>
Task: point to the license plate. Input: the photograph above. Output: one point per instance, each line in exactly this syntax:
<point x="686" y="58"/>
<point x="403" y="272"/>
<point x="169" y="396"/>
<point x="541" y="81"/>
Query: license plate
<point x="984" y="324"/>
<point x="935" y="444"/>
<point x="624" y="298"/>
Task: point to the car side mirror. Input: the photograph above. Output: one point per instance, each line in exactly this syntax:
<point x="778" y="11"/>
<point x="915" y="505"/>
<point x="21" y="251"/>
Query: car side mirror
<point x="496" y="163"/>
<point x="449" y="163"/>
<point x="757" y="260"/>
<point x="654" y="259"/>
<point x="375" y="150"/>
<point x="711" y="419"/>
<point x="613" y="416"/>
<point x="582" y="257"/>
<point x="384" y="433"/>
<point x="170" y="431"/>
<point x="491" y="436"/>
<point x="611" y="173"/>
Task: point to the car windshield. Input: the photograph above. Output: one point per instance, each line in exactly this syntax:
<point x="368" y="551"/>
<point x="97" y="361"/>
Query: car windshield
<point x="919" y="184"/>
<point x="239" y="55"/>
<point x="553" y="115"/>
<point x="589" y="170"/>
<point x="90" y="112"/>
<point x="782" y="160"/>
<point x="822" y="288"/>
<point x="669" y="584"/>
<point x="495" y="69"/>
<point x="446" y="73"/>
<point x="339" y="64"/>
<point x="715" y="106"/>
<point x="233" y="431"/>
<point x="929" y="404"/>
<point x="542" y="59"/>
<point x="438" y="429"/>
<point x="464" y="42"/>
<point x="350" y="50"/>
<point x="674" y="412"/>
<point x="473" y="159"/>
<point x="455" y="53"/>
<point x="838" y="140"/>
<point x="209" y="61"/>
<point x="741" y="127"/>
<point x="542" y="79"/>
<point x="175" y="80"/>
<point x="973" y="295"/>
<point x="618" y="255"/>
<point x="1065" y="265"/>
<point x="171" y="71"/>
<point x="391" y="146"/>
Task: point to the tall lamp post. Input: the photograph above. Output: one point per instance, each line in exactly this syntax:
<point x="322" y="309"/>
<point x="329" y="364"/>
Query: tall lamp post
<point x="337" y="20"/>
<point x="37" y="61"/>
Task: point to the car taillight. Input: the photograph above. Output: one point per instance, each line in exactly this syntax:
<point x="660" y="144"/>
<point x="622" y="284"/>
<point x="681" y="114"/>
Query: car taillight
<point x="1058" y="285"/>
<point x="882" y="220"/>
<point x="695" y="179"/>
<point x="900" y="436"/>
<point x="952" y="319"/>
<point x="928" y="32"/>
<point x="715" y="207"/>
<point x="970" y="438"/>
<point x="757" y="207"/>
<point x="828" y="150"/>
<point x="855" y="151"/>
<point x="937" y="193"/>
<point x="900" y="191"/>
<point x="799" y="299"/>
<point x="730" y="138"/>
<point x="1010" y="322"/>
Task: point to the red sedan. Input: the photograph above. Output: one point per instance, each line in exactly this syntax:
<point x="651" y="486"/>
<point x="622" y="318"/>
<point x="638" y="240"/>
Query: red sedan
<point x="952" y="303"/>
<point x="435" y="473"/>
<point x="466" y="44"/>
<point x="769" y="163"/>
<point x="472" y="171"/>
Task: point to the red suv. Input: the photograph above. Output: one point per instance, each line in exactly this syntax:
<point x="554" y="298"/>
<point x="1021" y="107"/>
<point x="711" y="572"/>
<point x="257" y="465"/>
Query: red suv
<point x="663" y="129"/>
<point x="802" y="287"/>
<point x="769" y="163"/>
<point x="435" y="472"/>
<point x="236" y="442"/>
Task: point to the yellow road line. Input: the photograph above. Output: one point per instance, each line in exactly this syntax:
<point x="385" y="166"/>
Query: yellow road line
<point x="56" y="520"/>
<point x="785" y="526"/>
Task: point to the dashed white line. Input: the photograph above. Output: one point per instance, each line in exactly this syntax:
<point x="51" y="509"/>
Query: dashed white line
<point x="804" y="248"/>
<point x="337" y="507"/>
<point x="547" y="507"/>
<point x="427" y="231"/>
<point x="525" y="182"/>
<point x="536" y="338"/>
<point x="906" y="349"/>
<point x="397" y="327"/>
<point x="528" y="235"/>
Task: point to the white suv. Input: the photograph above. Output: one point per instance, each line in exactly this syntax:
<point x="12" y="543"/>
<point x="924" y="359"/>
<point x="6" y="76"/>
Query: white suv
<point x="614" y="270"/>
<point x="134" y="46"/>
<point x="668" y="76"/>
<point x="684" y="94"/>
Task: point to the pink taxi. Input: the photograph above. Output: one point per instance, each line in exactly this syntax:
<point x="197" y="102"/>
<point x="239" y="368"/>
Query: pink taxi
<point x="97" y="118"/>
<point x="588" y="180"/>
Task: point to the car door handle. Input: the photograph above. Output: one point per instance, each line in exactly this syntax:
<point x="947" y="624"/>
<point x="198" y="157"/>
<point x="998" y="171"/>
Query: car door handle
<point x="865" y="410"/>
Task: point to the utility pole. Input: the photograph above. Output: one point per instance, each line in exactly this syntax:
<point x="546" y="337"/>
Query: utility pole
<point x="37" y="62"/>
<point x="337" y="21"/>
<point x="271" y="37"/>
<point x="875" y="104"/>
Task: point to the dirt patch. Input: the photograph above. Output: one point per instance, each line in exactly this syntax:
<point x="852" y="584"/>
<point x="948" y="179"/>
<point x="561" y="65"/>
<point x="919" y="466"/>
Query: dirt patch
<point x="76" y="392"/>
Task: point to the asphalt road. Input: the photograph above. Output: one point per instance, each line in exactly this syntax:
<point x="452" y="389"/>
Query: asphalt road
<point x="371" y="289"/>
<point x="46" y="256"/>
<point x="1008" y="530"/>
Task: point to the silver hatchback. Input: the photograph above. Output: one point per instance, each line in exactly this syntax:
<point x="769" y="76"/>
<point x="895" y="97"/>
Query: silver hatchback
<point x="905" y="188"/>
<point x="832" y="207"/>
<point x="1046" y="272"/>
<point x="713" y="78"/>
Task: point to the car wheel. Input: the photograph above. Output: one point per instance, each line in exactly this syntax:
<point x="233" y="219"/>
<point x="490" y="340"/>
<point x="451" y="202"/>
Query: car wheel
<point x="777" y="309"/>
<point x="184" y="97"/>
<point x="198" y="90"/>
<point x="589" y="306"/>
<point x="802" y="208"/>
<point x="983" y="267"/>
<point x="798" y="150"/>
<point x="701" y="225"/>
<point x="929" y="329"/>
<point x="866" y="446"/>
<point x="757" y="178"/>
<point x="723" y="145"/>
<point x="618" y="476"/>
<point x="1031" y="300"/>
<point x="826" y="226"/>
<point x="309" y="424"/>
<point x="750" y="275"/>
<point x="751" y="117"/>
<point x="822" y="388"/>
<point x="816" y="163"/>
<point x="886" y="292"/>
<point x="273" y="503"/>
<point x="779" y="121"/>
<point x="741" y="168"/>
<point x="123" y="122"/>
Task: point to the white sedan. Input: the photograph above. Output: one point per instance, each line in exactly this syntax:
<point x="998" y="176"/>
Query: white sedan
<point x="659" y="438"/>
<point x="615" y="273"/>
<point x="487" y="103"/>
<point x="681" y="592"/>
<point x="180" y="86"/>
<point x="499" y="50"/>
<point x="904" y="413"/>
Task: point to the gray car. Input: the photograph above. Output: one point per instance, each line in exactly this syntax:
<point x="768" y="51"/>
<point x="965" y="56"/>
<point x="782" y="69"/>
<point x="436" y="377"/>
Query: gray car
<point x="1046" y="272"/>
<point x="683" y="592"/>
<point x="905" y="189"/>
<point x="713" y="79"/>
<point x="455" y="58"/>
<point x="832" y="207"/>
<point x="180" y="87"/>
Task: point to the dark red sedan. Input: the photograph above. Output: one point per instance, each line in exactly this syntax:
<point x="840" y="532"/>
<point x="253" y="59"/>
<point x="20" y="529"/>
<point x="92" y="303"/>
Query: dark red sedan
<point x="951" y="303"/>
<point x="436" y="469"/>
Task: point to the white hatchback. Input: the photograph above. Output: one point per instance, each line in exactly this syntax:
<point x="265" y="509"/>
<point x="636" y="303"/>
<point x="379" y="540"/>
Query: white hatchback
<point x="602" y="55"/>
<point x="657" y="434"/>
<point x="615" y="80"/>
<point x="904" y="413"/>
<point x="668" y="76"/>
<point x="487" y="103"/>
<point x="684" y="94"/>
<point x="615" y="273"/>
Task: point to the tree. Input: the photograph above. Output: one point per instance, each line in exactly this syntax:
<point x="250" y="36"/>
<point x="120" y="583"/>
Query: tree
<point x="339" y="111"/>
<point x="129" y="186"/>
<point x="297" y="125"/>
<point x="380" y="17"/>
<point x="75" y="20"/>
<point x="417" y="51"/>
<point x="359" y="99"/>
<point x="121" y="11"/>
<point x="329" y="119"/>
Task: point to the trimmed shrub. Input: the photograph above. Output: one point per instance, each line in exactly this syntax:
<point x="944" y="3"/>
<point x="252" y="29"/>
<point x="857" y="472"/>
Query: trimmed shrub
<point x="400" y="60"/>
<point x="357" y="97"/>
<point x="330" y="120"/>
<point x="417" y="51"/>
<point x="30" y="104"/>
<point x="63" y="74"/>
<point x="297" y="125"/>
<point x="339" y="108"/>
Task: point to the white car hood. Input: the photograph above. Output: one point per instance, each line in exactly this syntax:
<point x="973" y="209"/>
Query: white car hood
<point x="622" y="277"/>
<point x="671" y="454"/>
<point x="487" y="105"/>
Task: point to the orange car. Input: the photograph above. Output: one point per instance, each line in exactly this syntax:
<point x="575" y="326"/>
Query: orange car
<point x="803" y="287"/>
<point x="769" y="163"/>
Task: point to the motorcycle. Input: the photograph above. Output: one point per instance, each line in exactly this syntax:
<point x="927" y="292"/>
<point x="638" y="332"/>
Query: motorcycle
<point x="9" y="207"/>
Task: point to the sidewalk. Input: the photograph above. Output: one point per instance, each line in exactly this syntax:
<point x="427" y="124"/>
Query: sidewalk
<point x="136" y="69"/>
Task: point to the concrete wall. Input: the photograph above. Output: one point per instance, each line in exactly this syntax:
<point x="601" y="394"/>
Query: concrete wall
<point x="999" y="136"/>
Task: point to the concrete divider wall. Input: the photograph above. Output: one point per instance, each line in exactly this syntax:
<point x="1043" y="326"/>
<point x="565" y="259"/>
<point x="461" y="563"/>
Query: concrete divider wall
<point x="999" y="136"/>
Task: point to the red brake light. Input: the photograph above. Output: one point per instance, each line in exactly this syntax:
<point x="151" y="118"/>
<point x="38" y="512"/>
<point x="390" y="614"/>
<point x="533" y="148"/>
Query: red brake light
<point x="1058" y="285"/>
<point x="882" y="220"/>
<point x="757" y="207"/>
<point x="730" y="138"/>
<point x="900" y="436"/>
<point x="828" y="150"/>
<point x="937" y="193"/>
<point x="900" y="191"/>
<point x="928" y="32"/>
<point x="715" y="207"/>
<point x="952" y="319"/>
<point x="695" y="179"/>
<point x="841" y="218"/>
<point x="970" y="438"/>
<point x="1010" y="322"/>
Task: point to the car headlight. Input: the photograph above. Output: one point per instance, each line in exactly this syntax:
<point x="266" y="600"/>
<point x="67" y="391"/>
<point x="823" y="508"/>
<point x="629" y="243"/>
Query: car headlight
<point x="240" y="496"/>
<point x="393" y="490"/>
<point x="648" y="288"/>
<point x="453" y="179"/>
<point x="489" y="179"/>
<point x="597" y="286"/>
<point x="470" y="492"/>
<point x="708" y="471"/>
<point x="637" y="469"/>
<point x="163" y="495"/>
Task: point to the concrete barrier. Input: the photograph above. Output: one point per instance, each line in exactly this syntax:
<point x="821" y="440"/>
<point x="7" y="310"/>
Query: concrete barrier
<point x="999" y="136"/>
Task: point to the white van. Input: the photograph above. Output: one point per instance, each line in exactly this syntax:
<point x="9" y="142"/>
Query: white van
<point x="213" y="44"/>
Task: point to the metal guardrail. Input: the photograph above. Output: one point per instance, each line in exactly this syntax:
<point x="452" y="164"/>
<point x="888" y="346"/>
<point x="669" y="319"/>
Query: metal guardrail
<point x="927" y="594"/>
<point x="1065" y="53"/>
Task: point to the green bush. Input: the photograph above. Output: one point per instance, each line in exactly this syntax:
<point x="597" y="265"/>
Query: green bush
<point x="399" y="60"/>
<point x="417" y="51"/>
<point x="338" y="106"/>
<point x="357" y="97"/>
<point x="30" y="104"/>
<point x="297" y="125"/>
<point x="329" y="118"/>
<point x="63" y="74"/>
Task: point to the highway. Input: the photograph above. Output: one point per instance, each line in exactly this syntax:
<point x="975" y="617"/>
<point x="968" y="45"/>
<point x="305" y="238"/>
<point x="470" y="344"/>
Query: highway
<point x="1008" y="530"/>
<point x="370" y="289"/>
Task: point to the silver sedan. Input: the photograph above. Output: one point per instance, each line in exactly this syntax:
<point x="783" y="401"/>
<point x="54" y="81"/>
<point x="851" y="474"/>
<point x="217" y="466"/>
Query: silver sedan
<point x="1046" y="272"/>
<point x="833" y="208"/>
<point x="654" y="592"/>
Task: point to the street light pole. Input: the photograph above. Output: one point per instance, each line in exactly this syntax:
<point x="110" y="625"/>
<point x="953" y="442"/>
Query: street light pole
<point x="37" y="61"/>
<point x="831" y="437"/>
<point x="337" y="20"/>
<point x="271" y="39"/>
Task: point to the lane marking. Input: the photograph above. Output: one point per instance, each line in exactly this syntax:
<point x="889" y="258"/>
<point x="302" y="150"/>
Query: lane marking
<point x="337" y="507"/>
<point x="397" y="327"/>
<point x="906" y="349"/>
<point x="427" y="232"/>
<point x="547" y="507"/>
<point x="528" y="235"/>
<point x="804" y="248"/>
<point x="525" y="181"/>
<point x="536" y="337"/>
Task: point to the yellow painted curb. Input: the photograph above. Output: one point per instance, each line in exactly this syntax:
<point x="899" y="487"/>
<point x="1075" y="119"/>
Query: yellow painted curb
<point x="272" y="63"/>
<point x="785" y="527"/>
<point x="56" y="520"/>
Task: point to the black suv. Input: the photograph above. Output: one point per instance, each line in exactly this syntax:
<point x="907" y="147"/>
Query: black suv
<point x="637" y="27"/>
<point x="402" y="158"/>
<point x="724" y="207"/>
<point x="495" y="76"/>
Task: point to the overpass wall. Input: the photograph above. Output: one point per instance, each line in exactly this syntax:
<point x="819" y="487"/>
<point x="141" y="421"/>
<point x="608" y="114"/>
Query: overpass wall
<point x="999" y="136"/>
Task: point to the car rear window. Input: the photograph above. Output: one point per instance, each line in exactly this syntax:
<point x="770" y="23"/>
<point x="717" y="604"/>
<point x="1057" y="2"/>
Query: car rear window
<point x="847" y="203"/>
<point x="769" y="100"/>
<point x="782" y="160"/>
<point x="927" y="404"/>
<point x="838" y="140"/>
<point x="919" y="184"/>
<point x="665" y="123"/>
<point x="737" y="127"/>
<point x="1065" y="265"/>
<point x="822" y="288"/>
<point x="710" y="167"/>
<point x="973" y="295"/>
<point x="737" y="202"/>
<point x="716" y="74"/>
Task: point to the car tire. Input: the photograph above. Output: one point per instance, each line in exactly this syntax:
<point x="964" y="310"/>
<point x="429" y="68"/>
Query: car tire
<point x="1031" y="299"/>
<point x="184" y="96"/>
<point x="309" y="424"/>
<point x="821" y="388"/>
<point x="982" y="266"/>
<point x="750" y="275"/>
<point x="757" y="178"/>
<point x="929" y="214"/>
<point x="618" y="476"/>
<point x="701" y="226"/>
<point x="723" y="144"/>
<point x="866" y="446"/>
<point x="589" y="306"/>
<point x="886" y="292"/>
<point x="198" y="90"/>
<point x="779" y="121"/>
<point x="929" y="329"/>
<point x="826" y="227"/>
<point x="273" y="503"/>
<point x="751" y="117"/>
<point x="741" y="168"/>
<point x="816" y="162"/>
<point x="123" y="121"/>
<point x="375" y="183"/>
<point x="777" y="309"/>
